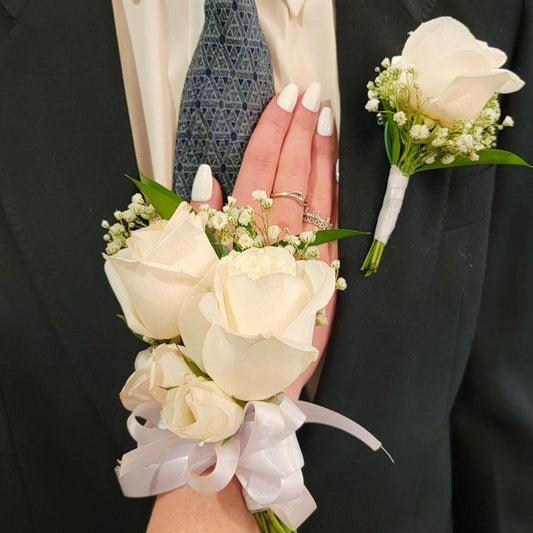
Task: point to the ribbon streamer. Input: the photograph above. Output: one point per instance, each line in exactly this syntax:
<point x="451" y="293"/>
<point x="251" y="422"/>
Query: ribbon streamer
<point x="264" y="455"/>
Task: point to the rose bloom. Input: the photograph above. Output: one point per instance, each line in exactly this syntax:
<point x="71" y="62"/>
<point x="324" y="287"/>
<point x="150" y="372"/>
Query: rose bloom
<point x="192" y="407"/>
<point x="152" y="276"/>
<point x="155" y="369"/>
<point x="249" y="323"/>
<point x="460" y="72"/>
<point x="200" y="410"/>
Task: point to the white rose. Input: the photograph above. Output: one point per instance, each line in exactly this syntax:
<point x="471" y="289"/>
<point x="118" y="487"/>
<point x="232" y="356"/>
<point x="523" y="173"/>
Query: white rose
<point x="155" y="369"/>
<point x="199" y="409"/>
<point x="153" y="275"/>
<point x="136" y="390"/>
<point x="460" y="72"/>
<point x="249" y="323"/>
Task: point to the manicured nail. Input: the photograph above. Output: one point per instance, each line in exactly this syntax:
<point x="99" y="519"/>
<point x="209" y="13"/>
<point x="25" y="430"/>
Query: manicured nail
<point x="337" y="173"/>
<point x="325" y="122"/>
<point x="311" y="99"/>
<point x="288" y="97"/>
<point x="202" y="186"/>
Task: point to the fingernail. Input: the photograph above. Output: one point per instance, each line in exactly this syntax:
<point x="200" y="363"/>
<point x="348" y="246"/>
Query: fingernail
<point x="325" y="122"/>
<point x="202" y="186"/>
<point x="311" y="99"/>
<point x="288" y="97"/>
<point x="337" y="173"/>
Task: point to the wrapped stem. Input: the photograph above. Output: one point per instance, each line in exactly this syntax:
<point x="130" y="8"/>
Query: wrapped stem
<point x="392" y="205"/>
<point x="270" y="523"/>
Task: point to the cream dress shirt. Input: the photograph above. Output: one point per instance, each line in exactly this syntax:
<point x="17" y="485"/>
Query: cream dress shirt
<point x="157" y="39"/>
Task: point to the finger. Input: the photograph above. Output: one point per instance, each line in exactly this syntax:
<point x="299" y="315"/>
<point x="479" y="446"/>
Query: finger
<point x="295" y="161"/>
<point x="322" y="183"/>
<point x="261" y="157"/>
<point x="205" y="189"/>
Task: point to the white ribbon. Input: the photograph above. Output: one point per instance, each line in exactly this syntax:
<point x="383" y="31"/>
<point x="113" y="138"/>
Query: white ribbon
<point x="392" y="204"/>
<point x="264" y="455"/>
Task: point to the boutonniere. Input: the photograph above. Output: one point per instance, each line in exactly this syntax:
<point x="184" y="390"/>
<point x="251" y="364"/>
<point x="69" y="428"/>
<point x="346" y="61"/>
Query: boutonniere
<point x="438" y="102"/>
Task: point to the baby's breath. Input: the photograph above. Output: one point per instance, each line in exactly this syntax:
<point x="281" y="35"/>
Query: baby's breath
<point x="138" y="215"/>
<point x="395" y="94"/>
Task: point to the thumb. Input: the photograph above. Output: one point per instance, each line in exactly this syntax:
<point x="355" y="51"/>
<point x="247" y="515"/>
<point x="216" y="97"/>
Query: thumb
<point x="205" y="189"/>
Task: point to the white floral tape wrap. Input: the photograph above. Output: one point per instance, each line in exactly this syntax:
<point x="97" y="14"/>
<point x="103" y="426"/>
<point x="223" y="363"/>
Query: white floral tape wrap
<point x="392" y="204"/>
<point x="264" y="455"/>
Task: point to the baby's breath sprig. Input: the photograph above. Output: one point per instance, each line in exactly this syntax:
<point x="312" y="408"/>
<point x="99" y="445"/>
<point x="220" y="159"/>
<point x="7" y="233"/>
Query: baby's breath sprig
<point x="240" y="228"/>
<point x="138" y="215"/>
<point x="421" y="141"/>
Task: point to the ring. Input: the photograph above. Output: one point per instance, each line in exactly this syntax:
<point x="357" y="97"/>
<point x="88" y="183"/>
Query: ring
<point x="316" y="219"/>
<point x="295" y="195"/>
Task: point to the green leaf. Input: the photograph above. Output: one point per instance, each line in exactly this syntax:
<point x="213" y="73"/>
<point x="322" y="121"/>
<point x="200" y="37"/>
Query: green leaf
<point x="491" y="156"/>
<point x="328" y="235"/>
<point x="138" y="335"/>
<point x="165" y="202"/>
<point x="219" y="248"/>
<point x="388" y="141"/>
<point x="393" y="144"/>
<point x="195" y="369"/>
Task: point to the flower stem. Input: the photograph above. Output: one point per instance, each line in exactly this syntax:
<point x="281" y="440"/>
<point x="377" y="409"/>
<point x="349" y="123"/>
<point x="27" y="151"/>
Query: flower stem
<point x="270" y="523"/>
<point x="373" y="258"/>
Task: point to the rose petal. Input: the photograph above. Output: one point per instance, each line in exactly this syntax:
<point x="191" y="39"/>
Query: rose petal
<point x="264" y="306"/>
<point x="192" y="324"/>
<point x="254" y="368"/>
<point x="467" y="95"/>
<point x="121" y="292"/>
<point x="154" y="296"/>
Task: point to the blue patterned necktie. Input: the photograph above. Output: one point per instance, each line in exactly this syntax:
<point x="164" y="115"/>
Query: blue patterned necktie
<point x="228" y="84"/>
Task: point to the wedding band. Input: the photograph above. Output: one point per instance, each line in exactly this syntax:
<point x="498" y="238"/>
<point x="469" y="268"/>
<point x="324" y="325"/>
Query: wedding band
<point x="316" y="219"/>
<point x="295" y="195"/>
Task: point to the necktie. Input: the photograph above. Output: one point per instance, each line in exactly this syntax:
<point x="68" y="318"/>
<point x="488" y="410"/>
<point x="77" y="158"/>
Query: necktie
<point x="228" y="84"/>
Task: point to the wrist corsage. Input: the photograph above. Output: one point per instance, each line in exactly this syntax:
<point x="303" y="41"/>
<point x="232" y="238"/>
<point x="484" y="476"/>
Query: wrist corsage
<point x="228" y="304"/>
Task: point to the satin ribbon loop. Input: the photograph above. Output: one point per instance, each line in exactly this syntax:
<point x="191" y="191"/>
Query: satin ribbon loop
<point x="225" y="457"/>
<point x="150" y="430"/>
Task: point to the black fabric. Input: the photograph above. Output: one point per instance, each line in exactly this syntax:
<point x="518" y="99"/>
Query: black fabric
<point x="65" y="145"/>
<point x="402" y="338"/>
<point x="448" y="311"/>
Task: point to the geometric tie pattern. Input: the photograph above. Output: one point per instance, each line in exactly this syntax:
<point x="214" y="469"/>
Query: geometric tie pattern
<point x="228" y="84"/>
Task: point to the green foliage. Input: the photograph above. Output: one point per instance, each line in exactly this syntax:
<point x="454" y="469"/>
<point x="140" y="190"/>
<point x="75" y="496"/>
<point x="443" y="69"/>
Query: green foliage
<point x="490" y="156"/>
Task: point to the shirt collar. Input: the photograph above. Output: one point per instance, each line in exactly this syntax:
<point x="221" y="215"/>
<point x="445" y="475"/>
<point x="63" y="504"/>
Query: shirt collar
<point x="295" y="6"/>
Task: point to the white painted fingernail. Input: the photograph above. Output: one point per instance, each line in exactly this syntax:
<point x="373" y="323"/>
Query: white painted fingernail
<point x="202" y="186"/>
<point x="325" y="122"/>
<point x="337" y="173"/>
<point x="312" y="97"/>
<point x="288" y="97"/>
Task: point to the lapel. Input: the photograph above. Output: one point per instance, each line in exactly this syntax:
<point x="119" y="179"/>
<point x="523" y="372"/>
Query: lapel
<point x="69" y="144"/>
<point x="14" y="7"/>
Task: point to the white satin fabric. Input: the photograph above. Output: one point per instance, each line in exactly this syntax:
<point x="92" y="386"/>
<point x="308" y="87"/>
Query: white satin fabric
<point x="157" y="39"/>
<point x="264" y="455"/>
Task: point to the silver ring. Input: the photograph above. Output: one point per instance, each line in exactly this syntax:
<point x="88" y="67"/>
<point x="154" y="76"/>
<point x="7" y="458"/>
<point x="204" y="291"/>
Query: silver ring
<point x="317" y="220"/>
<point x="295" y="195"/>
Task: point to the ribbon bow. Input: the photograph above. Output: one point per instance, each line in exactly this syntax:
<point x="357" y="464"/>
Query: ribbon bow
<point x="264" y="455"/>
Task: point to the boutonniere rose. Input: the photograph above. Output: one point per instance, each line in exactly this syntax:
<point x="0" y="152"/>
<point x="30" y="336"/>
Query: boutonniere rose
<point x="154" y="273"/>
<point x="249" y="324"/>
<point x="439" y="104"/>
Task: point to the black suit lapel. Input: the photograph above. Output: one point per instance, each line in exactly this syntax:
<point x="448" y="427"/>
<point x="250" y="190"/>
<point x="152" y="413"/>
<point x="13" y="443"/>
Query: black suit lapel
<point x="14" y="7"/>
<point x="60" y="174"/>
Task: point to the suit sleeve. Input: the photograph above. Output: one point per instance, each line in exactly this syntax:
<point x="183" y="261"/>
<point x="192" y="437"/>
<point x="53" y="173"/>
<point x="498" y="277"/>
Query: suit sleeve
<point x="492" y="420"/>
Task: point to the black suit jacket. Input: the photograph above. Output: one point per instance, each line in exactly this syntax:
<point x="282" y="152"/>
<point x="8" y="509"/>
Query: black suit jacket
<point x="404" y="342"/>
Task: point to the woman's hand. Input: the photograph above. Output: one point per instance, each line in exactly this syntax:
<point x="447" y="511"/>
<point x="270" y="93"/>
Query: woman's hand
<point x="293" y="148"/>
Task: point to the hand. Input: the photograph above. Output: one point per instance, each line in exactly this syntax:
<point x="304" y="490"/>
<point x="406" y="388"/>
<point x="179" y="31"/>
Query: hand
<point x="293" y="148"/>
